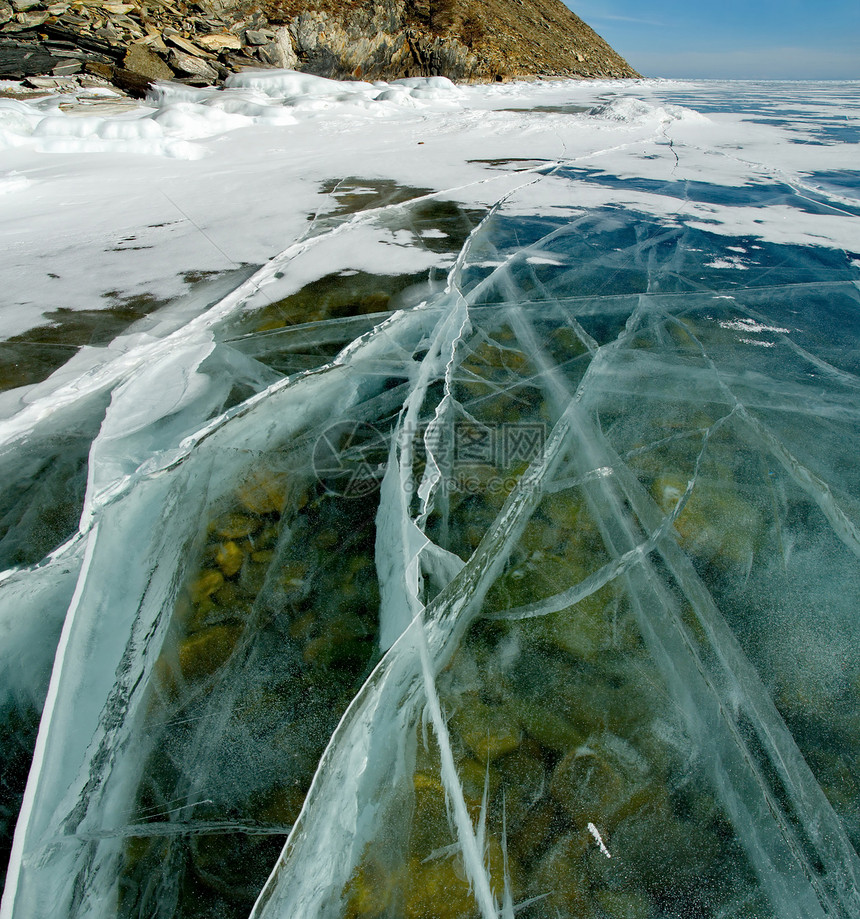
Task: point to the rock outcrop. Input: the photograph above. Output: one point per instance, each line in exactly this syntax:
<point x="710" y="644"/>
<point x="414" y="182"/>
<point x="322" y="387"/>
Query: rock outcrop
<point x="134" y="42"/>
<point x="461" y="39"/>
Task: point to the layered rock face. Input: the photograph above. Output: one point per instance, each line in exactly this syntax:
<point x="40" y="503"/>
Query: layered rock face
<point x="382" y="39"/>
<point x="461" y="39"/>
<point x="133" y="42"/>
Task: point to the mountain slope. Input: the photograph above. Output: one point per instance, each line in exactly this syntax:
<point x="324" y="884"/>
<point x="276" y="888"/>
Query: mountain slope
<point x="462" y="39"/>
<point x="528" y="37"/>
<point x="134" y="42"/>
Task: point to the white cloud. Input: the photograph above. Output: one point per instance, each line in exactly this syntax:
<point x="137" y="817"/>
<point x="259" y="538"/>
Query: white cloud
<point x="594" y="17"/>
<point x="646" y="22"/>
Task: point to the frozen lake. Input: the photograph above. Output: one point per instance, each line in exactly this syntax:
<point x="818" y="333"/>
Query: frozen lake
<point x="431" y="502"/>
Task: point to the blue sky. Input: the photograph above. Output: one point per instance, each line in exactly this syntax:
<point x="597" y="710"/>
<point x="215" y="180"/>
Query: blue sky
<point x="744" y="39"/>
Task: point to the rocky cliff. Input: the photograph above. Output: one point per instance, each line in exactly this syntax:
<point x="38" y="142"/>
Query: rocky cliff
<point x="461" y="39"/>
<point x="133" y="42"/>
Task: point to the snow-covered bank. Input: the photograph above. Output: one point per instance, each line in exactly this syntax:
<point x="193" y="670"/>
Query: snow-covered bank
<point x="130" y="183"/>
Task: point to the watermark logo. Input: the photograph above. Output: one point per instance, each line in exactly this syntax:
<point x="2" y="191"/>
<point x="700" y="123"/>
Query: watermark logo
<point x="501" y="446"/>
<point x="350" y="457"/>
<point x="469" y="445"/>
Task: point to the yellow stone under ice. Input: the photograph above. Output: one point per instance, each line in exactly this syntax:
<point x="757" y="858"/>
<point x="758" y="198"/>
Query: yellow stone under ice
<point x="229" y="558"/>
<point x="716" y="524"/>
<point x="204" y="652"/>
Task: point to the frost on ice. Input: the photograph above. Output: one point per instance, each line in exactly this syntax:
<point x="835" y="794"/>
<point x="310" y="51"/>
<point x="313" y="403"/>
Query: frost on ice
<point x="525" y="586"/>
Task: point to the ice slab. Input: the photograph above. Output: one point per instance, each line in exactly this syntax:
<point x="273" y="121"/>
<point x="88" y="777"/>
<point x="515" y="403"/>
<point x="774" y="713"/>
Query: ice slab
<point x="491" y="550"/>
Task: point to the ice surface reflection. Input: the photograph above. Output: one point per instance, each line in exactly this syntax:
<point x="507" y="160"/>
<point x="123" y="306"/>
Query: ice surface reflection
<point x="526" y="585"/>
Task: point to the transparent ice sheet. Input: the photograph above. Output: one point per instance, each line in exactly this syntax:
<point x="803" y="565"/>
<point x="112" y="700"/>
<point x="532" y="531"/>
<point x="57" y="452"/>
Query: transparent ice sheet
<point x="537" y="597"/>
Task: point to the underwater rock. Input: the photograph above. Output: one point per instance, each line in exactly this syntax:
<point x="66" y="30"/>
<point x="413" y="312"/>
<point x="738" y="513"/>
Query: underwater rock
<point x="343" y="639"/>
<point x="203" y="653"/>
<point x="548" y="726"/>
<point x="429" y="828"/>
<point x="252" y="577"/>
<point x="602" y="782"/>
<point x="229" y="559"/>
<point x="371" y="892"/>
<point x="223" y="862"/>
<point x="524" y="771"/>
<point x="561" y="879"/>
<point x="282" y="805"/>
<point x="265" y="492"/>
<point x="535" y="831"/>
<point x="584" y="629"/>
<point x="438" y="890"/>
<point x="619" y="904"/>
<point x="488" y="730"/>
<point x="206" y="585"/>
<point x="236" y="526"/>
<point x="670" y="857"/>
<point x="474" y="776"/>
<point x="716" y="524"/>
<point x="567" y="510"/>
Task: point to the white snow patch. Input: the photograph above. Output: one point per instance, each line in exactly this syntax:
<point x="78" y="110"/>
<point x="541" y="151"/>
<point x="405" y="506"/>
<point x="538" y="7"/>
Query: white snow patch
<point x="12" y="181"/>
<point x="542" y="260"/>
<point x="223" y="177"/>
<point x="291" y="87"/>
<point x="631" y="110"/>
<point x="750" y="325"/>
<point x="727" y="263"/>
